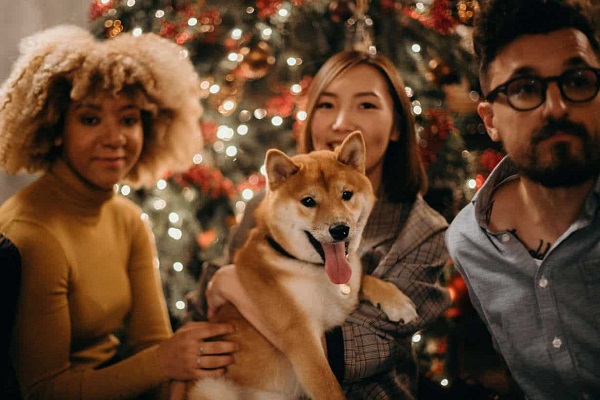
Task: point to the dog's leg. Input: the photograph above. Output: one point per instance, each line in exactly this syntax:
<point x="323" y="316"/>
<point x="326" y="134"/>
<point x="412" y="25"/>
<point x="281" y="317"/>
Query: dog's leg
<point x="391" y="300"/>
<point x="294" y="335"/>
<point x="311" y="366"/>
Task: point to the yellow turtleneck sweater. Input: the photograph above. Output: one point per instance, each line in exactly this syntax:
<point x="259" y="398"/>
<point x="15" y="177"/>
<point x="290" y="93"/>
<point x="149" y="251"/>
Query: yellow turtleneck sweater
<point x="88" y="267"/>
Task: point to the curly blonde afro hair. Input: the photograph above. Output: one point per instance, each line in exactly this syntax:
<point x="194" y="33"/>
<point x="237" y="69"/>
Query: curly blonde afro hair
<point x="156" y="71"/>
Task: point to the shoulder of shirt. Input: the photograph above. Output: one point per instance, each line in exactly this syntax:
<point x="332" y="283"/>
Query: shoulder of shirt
<point x="466" y="223"/>
<point x="26" y="204"/>
<point x="422" y="224"/>
<point x="125" y="204"/>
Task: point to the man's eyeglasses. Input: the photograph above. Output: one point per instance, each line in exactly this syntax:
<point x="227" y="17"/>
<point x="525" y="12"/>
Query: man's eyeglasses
<point x="525" y="93"/>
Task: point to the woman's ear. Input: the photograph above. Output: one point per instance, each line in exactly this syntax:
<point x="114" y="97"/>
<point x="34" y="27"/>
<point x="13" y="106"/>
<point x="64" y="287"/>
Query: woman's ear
<point x="395" y="136"/>
<point x="485" y="111"/>
<point x="58" y="142"/>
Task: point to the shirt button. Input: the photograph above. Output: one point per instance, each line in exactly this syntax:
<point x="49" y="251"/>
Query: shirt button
<point x="543" y="282"/>
<point x="556" y="343"/>
<point x="505" y="237"/>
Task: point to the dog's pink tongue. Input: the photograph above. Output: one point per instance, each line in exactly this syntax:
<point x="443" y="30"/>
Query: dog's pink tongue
<point x="336" y="265"/>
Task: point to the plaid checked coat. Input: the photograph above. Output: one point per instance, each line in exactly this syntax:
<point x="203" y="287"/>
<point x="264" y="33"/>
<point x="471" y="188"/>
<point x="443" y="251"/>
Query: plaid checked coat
<point x="371" y="356"/>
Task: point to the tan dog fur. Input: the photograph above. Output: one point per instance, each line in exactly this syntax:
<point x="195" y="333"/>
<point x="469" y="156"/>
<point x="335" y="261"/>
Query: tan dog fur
<point x="298" y="300"/>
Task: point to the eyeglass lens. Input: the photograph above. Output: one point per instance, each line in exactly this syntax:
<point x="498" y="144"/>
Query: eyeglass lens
<point x="575" y="85"/>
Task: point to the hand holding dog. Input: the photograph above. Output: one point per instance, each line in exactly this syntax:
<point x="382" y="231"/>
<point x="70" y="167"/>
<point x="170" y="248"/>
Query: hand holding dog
<point x="186" y="356"/>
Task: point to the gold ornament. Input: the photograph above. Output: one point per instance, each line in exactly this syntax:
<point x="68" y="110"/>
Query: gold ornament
<point x="466" y="10"/>
<point x="258" y="59"/>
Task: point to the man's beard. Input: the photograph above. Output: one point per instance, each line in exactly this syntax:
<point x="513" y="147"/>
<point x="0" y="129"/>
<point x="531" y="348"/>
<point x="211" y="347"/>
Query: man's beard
<point x="565" y="169"/>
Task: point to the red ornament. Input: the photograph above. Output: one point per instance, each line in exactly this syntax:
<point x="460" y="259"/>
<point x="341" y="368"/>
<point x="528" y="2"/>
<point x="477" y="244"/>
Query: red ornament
<point x="209" y="131"/>
<point x="437" y="127"/>
<point x="168" y="29"/>
<point x="206" y="238"/>
<point x="267" y="8"/>
<point x="98" y="9"/>
<point x="281" y="105"/>
<point x="209" y="20"/>
<point x="479" y="180"/>
<point x="388" y="6"/>
<point x="341" y="10"/>
<point x="490" y="158"/>
<point x="459" y="295"/>
<point x="254" y="182"/>
<point x="439" y="17"/>
<point x="208" y="180"/>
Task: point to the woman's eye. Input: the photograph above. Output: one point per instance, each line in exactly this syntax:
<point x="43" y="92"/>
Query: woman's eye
<point x="89" y="120"/>
<point x="308" y="202"/>
<point x="130" y="121"/>
<point x="347" y="195"/>
<point x="367" y="106"/>
<point x="324" y="104"/>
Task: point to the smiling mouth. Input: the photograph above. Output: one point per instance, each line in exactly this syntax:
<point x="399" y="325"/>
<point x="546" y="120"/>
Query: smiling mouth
<point x="121" y="158"/>
<point x="112" y="162"/>
<point x="318" y="247"/>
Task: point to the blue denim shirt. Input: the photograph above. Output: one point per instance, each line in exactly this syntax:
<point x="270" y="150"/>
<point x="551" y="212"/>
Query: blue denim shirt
<point x="544" y="316"/>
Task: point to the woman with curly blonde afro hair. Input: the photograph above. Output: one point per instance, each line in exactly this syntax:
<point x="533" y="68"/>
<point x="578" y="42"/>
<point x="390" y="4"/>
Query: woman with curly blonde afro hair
<point x="87" y="114"/>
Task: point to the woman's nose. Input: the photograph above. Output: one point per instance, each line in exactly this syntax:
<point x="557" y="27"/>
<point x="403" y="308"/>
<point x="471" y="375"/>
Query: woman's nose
<point x="114" y="135"/>
<point x="343" y="122"/>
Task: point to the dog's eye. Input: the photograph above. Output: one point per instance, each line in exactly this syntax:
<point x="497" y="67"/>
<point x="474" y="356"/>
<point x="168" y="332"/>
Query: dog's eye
<point x="308" y="202"/>
<point x="347" y="195"/>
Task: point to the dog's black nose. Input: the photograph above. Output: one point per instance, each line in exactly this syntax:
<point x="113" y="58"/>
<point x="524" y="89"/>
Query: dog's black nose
<point x="339" y="232"/>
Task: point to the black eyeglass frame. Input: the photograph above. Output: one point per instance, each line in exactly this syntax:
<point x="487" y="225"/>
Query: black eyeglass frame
<point x="502" y="88"/>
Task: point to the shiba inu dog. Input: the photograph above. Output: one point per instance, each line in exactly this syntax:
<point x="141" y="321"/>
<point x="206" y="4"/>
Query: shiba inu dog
<point x="300" y="266"/>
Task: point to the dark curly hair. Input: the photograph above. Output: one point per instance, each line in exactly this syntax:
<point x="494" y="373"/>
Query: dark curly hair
<point x="500" y="22"/>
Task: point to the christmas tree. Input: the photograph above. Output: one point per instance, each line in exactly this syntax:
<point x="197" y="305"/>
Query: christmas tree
<point x="256" y="59"/>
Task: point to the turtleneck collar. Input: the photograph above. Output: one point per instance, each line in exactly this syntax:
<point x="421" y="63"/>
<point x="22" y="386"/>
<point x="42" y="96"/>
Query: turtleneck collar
<point x="75" y="193"/>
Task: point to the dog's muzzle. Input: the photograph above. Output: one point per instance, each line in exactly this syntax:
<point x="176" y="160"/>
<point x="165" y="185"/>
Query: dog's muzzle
<point x="338" y="233"/>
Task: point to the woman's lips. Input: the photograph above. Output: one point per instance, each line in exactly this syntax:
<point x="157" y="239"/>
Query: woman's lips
<point x="112" y="162"/>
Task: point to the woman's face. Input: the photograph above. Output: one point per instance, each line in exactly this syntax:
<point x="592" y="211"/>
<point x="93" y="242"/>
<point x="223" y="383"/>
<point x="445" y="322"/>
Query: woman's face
<point x="358" y="99"/>
<point x="103" y="138"/>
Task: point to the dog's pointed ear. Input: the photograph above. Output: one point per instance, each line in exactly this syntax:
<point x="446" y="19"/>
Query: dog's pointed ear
<point x="279" y="166"/>
<point x="352" y="151"/>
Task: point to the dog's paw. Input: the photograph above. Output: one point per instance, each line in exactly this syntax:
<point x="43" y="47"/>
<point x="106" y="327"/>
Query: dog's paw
<point x="388" y="298"/>
<point x="402" y="311"/>
<point x="398" y="307"/>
